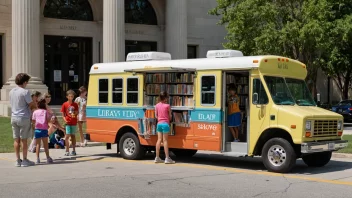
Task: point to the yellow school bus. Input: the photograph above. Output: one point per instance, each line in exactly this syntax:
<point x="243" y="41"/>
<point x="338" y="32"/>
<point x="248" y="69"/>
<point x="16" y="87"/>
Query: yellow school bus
<point x="279" y="119"/>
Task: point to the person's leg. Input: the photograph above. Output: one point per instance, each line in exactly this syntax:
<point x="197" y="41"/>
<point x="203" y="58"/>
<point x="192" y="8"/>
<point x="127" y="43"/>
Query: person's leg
<point x="16" y="137"/>
<point x="166" y="145"/>
<point x="158" y="143"/>
<point x="46" y="147"/>
<point x="17" y="146"/>
<point x="80" y="129"/>
<point x="73" y="139"/>
<point x="236" y="133"/>
<point x="233" y="132"/>
<point x="25" y="133"/>
<point x="39" y="141"/>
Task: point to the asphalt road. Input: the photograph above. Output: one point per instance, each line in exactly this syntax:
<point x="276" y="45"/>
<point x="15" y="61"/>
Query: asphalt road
<point x="96" y="172"/>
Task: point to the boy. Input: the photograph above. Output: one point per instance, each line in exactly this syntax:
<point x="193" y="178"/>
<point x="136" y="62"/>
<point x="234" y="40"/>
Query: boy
<point x="234" y="113"/>
<point x="69" y="113"/>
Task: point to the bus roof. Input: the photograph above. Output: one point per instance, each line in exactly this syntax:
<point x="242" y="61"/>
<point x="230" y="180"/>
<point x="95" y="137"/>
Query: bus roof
<point x="232" y="63"/>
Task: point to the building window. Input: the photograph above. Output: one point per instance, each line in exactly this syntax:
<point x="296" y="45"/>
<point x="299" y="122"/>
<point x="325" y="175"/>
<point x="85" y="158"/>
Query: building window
<point x="140" y="12"/>
<point x="192" y="51"/>
<point x="103" y="91"/>
<point x="132" y="90"/>
<point x="68" y="9"/>
<point x="259" y="91"/>
<point x="117" y="90"/>
<point x="208" y="90"/>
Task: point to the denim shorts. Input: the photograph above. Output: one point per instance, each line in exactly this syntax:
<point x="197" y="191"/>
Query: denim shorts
<point x="234" y="120"/>
<point x="40" y="133"/>
<point x="163" y="128"/>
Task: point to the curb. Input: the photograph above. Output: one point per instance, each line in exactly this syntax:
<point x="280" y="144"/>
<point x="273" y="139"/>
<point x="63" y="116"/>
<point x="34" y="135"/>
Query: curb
<point x="342" y="155"/>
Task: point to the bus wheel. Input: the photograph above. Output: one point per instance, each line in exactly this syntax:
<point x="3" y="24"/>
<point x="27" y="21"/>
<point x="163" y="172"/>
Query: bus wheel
<point x="278" y="155"/>
<point x="317" y="159"/>
<point x="130" y="148"/>
<point x="184" y="153"/>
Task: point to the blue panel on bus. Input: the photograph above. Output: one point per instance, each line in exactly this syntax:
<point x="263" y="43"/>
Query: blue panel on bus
<point x="206" y="115"/>
<point x="115" y="113"/>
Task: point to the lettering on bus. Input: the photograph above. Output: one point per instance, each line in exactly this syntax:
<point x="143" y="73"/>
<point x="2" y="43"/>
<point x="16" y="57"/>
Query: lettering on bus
<point x="207" y="117"/>
<point x="209" y="127"/>
<point x="282" y="65"/>
<point x="118" y="113"/>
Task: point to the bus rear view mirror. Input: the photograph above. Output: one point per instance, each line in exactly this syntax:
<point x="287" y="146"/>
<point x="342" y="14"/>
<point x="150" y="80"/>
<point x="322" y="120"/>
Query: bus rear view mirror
<point x="255" y="98"/>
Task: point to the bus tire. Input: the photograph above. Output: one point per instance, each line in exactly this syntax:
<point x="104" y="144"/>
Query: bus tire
<point x="184" y="153"/>
<point x="317" y="159"/>
<point x="130" y="147"/>
<point x="278" y="155"/>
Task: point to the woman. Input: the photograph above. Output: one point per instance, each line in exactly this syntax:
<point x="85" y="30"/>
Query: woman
<point x="53" y="126"/>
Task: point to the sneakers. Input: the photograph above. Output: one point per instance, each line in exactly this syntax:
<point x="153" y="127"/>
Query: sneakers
<point x="236" y="140"/>
<point x="169" y="161"/>
<point x="49" y="160"/>
<point x="38" y="161"/>
<point x="73" y="153"/>
<point x="26" y="163"/>
<point x="67" y="154"/>
<point x="158" y="160"/>
<point x="18" y="163"/>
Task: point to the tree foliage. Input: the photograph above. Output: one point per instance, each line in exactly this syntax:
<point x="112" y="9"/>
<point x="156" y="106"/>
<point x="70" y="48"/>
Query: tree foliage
<point x="299" y="29"/>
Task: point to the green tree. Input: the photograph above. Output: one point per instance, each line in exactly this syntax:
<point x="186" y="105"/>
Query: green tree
<point x="294" y="28"/>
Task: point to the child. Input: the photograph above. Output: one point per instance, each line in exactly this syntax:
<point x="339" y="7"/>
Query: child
<point x="163" y="115"/>
<point x="54" y="124"/>
<point x="40" y="119"/>
<point x="234" y="113"/>
<point x="82" y="103"/>
<point x="69" y="113"/>
<point x="35" y="97"/>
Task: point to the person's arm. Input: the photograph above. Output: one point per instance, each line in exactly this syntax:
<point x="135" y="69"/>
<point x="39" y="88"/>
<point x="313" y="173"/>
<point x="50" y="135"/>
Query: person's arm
<point x="33" y="119"/>
<point x="170" y="114"/>
<point x="156" y="113"/>
<point x="76" y="109"/>
<point x="63" y="110"/>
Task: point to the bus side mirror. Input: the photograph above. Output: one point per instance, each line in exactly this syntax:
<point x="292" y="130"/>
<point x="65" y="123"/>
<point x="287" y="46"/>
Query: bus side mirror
<point x="255" y="98"/>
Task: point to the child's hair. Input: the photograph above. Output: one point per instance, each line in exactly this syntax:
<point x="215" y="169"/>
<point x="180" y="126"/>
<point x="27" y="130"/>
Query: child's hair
<point x="47" y="95"/>
<point x="70" y="92"/>
<point x="42" y="104"/>
<point x="36" y="93"/>
<point x="22" y="78"/>
<point x="232" y="87"/>
<point x="163" y="95"/>
<point x="82" y="90"/>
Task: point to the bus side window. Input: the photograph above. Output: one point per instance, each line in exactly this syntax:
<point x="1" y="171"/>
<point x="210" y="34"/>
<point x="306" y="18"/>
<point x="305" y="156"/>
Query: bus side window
<point x="132" y="90"/>
<point x="208" y="90"/>
<point x="103" y="89"/>
<point x="259" y="95"/>
<point x="117" y="90"/>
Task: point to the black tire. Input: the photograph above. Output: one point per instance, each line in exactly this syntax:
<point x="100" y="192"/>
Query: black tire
<point x="137" y="151"/>
<point x="282" y="164"/>
<point x="184" y="153"/>
<point x="317" y="159"/>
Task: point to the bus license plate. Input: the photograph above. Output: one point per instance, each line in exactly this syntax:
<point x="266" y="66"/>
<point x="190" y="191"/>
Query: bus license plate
<point x="331" y="146"/>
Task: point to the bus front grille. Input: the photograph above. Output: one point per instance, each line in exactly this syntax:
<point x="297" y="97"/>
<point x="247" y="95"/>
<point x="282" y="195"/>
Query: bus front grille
<point x="324" y="128"/>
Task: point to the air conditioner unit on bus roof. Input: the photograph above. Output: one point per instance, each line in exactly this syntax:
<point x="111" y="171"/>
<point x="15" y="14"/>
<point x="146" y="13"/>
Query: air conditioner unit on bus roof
<point x="224" y="53"/>
<point x="145" y="56"/>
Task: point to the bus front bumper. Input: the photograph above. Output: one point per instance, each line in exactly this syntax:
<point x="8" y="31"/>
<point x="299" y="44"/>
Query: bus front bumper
<point x="315" y="147"/>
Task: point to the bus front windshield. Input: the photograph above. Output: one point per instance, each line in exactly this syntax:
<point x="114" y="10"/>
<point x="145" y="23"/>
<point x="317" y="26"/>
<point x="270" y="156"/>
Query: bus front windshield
<point x="289" y="91"/>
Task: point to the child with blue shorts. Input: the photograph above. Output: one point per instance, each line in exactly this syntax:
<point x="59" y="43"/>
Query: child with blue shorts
<point x="234" y="113"/>
<point x="163" y="115"/>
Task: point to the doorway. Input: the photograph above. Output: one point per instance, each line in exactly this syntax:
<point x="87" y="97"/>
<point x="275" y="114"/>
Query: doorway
<point x="139" y="46"/>
<point x="67" y="61"/>
<point x="238" y="82"/>
<point x="1" y="69"/>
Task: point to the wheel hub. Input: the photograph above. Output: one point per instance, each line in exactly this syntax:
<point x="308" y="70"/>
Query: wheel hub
<point x="277" y="155"/>
<point x="129" y="146"/>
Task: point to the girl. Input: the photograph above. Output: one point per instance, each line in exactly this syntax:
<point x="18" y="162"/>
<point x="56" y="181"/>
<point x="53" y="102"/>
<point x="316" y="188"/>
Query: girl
<point x="82" y="103"/>
<point x="35" y="97"/>
<point x="163" y="115"/>
<point x="40" y="119"/>
<point x="54" y="124"/>
<point x="234" y="113"/>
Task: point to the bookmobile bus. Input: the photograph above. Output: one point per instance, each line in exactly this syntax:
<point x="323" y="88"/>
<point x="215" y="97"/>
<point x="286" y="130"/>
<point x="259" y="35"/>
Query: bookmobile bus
<point x="280" y="120"/>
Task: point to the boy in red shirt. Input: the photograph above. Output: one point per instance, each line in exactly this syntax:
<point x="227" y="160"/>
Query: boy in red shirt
<point x="69" y="113"/>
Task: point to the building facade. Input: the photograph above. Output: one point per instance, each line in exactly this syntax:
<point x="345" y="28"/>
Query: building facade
<point x="57" y="41"/>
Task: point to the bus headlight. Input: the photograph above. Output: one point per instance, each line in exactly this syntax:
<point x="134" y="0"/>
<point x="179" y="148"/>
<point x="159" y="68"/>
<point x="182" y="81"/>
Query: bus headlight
<point x="339" y="125"/>
<point x="308" y="125"/>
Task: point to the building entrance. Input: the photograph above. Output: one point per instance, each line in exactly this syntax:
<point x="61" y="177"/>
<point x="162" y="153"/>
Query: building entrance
<point x="67" y="61"/>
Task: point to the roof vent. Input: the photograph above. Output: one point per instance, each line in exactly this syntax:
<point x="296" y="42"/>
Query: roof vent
<point x="145" y="56"/>
<point x="224" y="53"/>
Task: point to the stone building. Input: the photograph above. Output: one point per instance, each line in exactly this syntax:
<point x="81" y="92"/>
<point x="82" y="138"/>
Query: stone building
<point x="57" y="41"/>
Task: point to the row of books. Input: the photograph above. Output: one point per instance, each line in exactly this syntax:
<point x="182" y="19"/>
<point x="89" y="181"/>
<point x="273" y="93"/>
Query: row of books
<point x="171" y="89"/>
<point x="173" y="100"/>
<point x="170" y="78"/>
<point x="236" y="79"/>
<point x="181" y="117"/>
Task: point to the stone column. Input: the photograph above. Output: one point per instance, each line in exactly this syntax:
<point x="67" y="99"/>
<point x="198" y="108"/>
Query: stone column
<point x="25" y="46"/>
<point x="114" y="31"/>
<point x="176" y="28"/>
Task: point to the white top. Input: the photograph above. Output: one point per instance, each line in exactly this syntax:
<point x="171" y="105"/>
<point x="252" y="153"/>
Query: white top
<point x="245" y="62"/>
